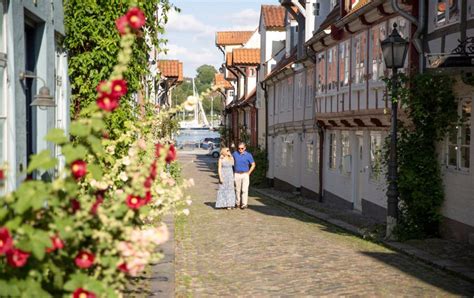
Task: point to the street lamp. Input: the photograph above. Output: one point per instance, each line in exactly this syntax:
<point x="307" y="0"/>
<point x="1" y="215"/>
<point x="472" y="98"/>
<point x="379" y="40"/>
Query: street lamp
<point x="43" y="99"/>
<point x="394" y="49"/>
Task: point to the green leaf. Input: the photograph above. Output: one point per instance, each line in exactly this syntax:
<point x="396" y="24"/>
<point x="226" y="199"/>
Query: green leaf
<point x="57" y="136"/>
<point x="97" y="124"/>
<point x="14" y="223"/>
<point x="79" y="129"/>
<point x="9" y="288"/>
<point x="42" y="160"/>
<point x="39" y="242"/>
<point x="72" y="153"/>
<point x="95" y="170"/>
<point x="96" y="144"/>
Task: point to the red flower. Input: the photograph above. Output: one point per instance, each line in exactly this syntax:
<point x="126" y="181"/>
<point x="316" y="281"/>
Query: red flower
<point x="79" y="169"/>
<point x="123" y="267"/>
<point x="6" y="241"/>
<point x="17" y="257"/>
<point x="57" y="244"/>
<point x="99" y="200"/>
<point x="153" y="172"/>
<point x="134" y="202"/>
<point x="75" y="205"/>
<point x="81" y="293"/>
<point x="148" y="183"/>
<point x="107" y="102"/>
<point x="2" y="175"/>
<point x="122" y="24"/>
<point x="84" y="259"/>
<point x="148" y="198"/>
<point x="135" y="17"/>
<point x="171" y="155"/>
<point x="119" y="88"/>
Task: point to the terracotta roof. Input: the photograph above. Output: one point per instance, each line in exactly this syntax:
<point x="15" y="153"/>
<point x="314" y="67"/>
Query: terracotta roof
<point x="221" y="82"/>
<point x="228" y="59"/>
<point x="273" y="17"/>
<point x="246" y="56"/>
<point x="232" y="37"/>
<point x="171" y="69"/>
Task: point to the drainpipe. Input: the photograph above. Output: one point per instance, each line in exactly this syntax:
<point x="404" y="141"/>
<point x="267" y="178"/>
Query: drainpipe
<point x="321" y="160"/>
<point x="420" y="26"/>
<point x="265" y="96"/>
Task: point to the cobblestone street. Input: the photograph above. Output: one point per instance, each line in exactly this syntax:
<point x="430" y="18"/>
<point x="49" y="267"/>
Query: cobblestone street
<point x="270" y="250"/>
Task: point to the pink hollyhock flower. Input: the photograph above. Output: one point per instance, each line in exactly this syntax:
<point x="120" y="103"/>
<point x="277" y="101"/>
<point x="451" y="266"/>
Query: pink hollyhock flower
<point x="123" y="267"/>
<point x="118" y="88"/>
<point x="84" y="259"/>
<point x="99" y="200"/>
<point x="81" y="293"/>
<point x="103" y="87"/>
<point x="135" y="17"/>
<point x="107" y="102"/>
<point x="122" y="24"/>
<point x="6" y="241"/>
<point x="57" y="244"/>
<point x="17" y="257"/>
<point x="79" y="169"/>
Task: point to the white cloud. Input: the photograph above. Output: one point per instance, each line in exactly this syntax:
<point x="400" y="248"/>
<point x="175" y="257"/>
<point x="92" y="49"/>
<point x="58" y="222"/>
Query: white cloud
<point x="246" y="17"/>
<point x="192" y="57"/>
<point x="188" y="23"/>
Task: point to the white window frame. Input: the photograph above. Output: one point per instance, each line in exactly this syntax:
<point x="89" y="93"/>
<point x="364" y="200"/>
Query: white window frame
<point x="310" y="158"/>
<point x="310" y="86"/>
<point x="359" y="70"/>
<point x="332" y="61"/>
<point x="3" y="83"/>
<point x="376" y="62"/>
<point x="345" y="141"/>
<point x="321" y="78"/>
<point x="459" y="145"/>
<point x="290" y="93"/>
<point x="344" y="50"/>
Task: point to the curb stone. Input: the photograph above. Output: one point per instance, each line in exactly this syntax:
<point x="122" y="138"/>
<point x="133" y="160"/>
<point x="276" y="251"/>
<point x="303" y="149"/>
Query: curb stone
<point x="447" y="265"/>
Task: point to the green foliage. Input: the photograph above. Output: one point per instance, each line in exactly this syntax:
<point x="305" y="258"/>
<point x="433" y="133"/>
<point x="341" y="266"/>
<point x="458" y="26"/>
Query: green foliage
<point x="260" y="173"/>
<point x="432" y="109"/>
<point x="93" y="44"/>
<point x="204" y="77"/>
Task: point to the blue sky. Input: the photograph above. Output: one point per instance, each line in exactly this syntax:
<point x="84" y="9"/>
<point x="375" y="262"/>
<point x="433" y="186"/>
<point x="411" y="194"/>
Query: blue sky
<point x="191" y="33"/>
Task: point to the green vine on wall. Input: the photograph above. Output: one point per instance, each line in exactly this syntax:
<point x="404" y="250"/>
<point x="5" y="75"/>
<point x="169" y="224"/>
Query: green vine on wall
<point x="430" y="103"/>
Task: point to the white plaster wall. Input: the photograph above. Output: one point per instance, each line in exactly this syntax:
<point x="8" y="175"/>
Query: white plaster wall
<point x="309" y="177"/>
<point x="254" y="41"/>
<point x="299" y="96"/>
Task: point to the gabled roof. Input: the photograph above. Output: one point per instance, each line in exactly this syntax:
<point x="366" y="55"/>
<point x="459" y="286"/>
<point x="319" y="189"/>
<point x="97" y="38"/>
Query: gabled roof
<point x="221" y="82"/>
<point x="225" y="38"/>
<point x="245" y="56"/>
<point x="228" y="59"/>
<point x="273" y="17"/>
<point x="171" y="69"/>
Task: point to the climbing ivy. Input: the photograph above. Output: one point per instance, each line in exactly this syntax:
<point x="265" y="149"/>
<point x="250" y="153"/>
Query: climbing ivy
<point x="92" y="44"/>
<point x="430" y="103"/>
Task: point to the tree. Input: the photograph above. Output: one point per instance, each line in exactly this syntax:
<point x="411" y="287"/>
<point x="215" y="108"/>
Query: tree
<point x="182" y="91"/>
<point x="205" y="77"/>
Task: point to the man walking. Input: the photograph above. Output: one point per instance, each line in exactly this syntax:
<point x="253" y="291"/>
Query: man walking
<point x="243" y="167"/>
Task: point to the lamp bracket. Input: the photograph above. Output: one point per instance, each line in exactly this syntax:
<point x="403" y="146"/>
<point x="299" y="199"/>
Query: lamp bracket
<point x="465" y="47"/>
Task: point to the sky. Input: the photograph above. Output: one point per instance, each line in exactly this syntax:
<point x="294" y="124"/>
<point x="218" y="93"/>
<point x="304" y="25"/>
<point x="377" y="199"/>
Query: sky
<point x="191" y="33"/>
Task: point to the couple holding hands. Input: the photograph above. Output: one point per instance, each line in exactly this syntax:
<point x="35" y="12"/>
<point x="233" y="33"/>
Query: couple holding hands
<point x="234" y="177"/>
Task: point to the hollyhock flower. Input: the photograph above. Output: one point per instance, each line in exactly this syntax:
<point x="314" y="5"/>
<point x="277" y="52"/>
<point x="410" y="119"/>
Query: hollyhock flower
<point x="135" y="17"/>
<point x="134" y="202"/>
<point x="84" y="259"/>
<point x="17" y="257"/>
<point x="142" y="144"/>
<point x="99" y="200"/>
<point x="2" y="175"/>
<point x="148" y="183"/>
<point x="153" y="171"/>
<point x="123" y="267"/>
<point x="161" y="235"/>
<point x="119" y="88"/>
<point x="81" y="293"/>
<point x="79" y="169"/>
<point x="107" y="102"/>
<point x="122" y="24"/>
<point x="171" y="155"/>
<point x="57" y="244"/>
<point x="158" y="148"/>
<point x="148" y="198"/>
<point x="6" y="241"/>
<point x="75" y="205"/>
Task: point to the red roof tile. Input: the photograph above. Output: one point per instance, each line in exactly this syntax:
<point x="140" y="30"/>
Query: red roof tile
<point x="171" y="69"/>
<point x="232" y="37"/>
<point x="246" y="56"/>
<point x="221" y="82"/>
<point x="273" y="17"/>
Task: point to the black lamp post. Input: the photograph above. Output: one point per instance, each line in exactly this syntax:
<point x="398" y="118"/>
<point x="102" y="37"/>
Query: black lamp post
<point x="394" y="49"/>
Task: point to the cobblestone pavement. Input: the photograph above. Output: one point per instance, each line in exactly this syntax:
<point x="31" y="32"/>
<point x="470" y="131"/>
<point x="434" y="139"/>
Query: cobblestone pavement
<point x="273" y="250"/>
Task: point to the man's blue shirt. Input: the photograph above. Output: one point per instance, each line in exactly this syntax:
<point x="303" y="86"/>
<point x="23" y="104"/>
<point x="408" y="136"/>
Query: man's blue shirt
<point x="242" y="161"/>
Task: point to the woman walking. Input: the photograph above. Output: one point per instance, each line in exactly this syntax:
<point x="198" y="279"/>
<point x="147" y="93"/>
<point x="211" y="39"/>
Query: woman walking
<point x="226" y="192"/>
